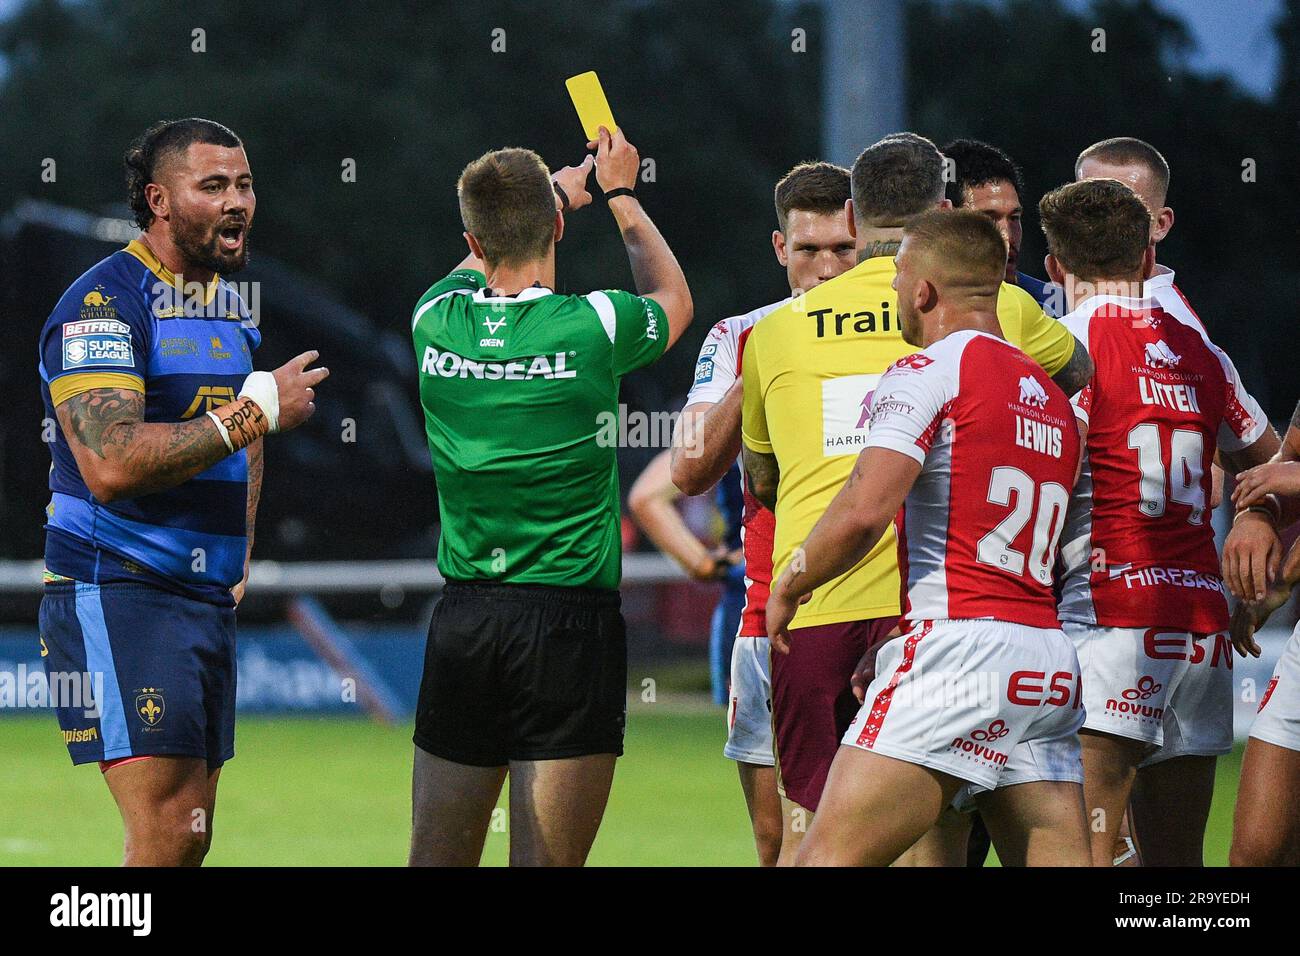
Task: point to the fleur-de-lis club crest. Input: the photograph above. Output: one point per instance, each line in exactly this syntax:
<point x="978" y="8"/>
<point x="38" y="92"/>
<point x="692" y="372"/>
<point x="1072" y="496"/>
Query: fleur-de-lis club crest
<point x="150" y="706"/>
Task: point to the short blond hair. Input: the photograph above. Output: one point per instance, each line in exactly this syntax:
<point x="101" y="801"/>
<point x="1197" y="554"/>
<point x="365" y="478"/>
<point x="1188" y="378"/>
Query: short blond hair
<point x="964" y="243"/>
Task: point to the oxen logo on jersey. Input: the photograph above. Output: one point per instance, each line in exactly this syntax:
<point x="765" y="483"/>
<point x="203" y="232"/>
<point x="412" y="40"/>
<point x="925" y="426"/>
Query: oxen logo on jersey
<point x="1032" y="392"/>
<point x="97" y="342"/>
<point x="1160" y="355"/>
<point x="493" y="327"/>
<point x="846" y="410"/>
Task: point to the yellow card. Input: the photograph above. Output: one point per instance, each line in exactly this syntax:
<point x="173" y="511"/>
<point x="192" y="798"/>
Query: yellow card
<point x="589" y="100"/>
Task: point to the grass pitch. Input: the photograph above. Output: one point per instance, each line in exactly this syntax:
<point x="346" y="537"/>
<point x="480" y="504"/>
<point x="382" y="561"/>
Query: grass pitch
<point x="336" y="792"/>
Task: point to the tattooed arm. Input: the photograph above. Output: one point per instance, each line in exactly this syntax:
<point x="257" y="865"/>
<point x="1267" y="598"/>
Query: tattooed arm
<point x="763" y="474"/>
<point x="1077" y="372"/>
<point x="254" y="487"/>
<point x="254" y="496"/>
<point x="120" y="455"/>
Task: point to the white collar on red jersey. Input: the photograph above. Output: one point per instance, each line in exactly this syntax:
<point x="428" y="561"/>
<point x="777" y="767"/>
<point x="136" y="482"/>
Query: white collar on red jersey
<point x="1161" y="278"/>
<point x="1091" y="304"/>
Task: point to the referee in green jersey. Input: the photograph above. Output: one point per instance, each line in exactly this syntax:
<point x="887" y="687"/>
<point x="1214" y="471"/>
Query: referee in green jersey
<point x="525" y="670"/>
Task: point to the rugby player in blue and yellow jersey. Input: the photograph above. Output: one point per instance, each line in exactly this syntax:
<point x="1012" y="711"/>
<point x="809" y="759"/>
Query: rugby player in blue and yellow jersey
<point x="146" y="366"/>
<point x="987" y="180"/>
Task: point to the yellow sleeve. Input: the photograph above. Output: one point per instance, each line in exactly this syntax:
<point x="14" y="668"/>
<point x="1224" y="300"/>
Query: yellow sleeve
<point x="1030" y="329"/>
<point x="68" y="386"/>
<point x="753" y="418"/>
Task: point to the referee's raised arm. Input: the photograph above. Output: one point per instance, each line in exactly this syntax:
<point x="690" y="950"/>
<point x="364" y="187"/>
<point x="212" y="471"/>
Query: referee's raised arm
<point x="655" y="271"/>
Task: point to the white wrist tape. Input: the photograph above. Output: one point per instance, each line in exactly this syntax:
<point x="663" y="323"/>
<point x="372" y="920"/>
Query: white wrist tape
<point x="222" y="430"/>
<point x="261" y="388"/>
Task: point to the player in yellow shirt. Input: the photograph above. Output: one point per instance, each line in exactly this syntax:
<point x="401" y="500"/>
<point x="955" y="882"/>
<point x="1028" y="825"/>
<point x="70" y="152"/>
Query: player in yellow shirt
<point x="808" y="370"/>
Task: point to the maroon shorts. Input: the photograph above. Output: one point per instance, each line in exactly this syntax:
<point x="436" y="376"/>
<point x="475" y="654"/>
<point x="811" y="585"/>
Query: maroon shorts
<point x="813" y="702"/>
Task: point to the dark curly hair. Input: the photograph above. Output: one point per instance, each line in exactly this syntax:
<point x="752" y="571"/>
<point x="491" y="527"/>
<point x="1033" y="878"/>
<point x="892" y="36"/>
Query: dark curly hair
<point x="145" y="154"/>
<point x="978" y="164"/>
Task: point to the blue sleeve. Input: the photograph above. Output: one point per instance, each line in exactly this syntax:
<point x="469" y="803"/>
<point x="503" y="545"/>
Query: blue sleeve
<point x="248" y="323"/>
<point x="98" y="336"/>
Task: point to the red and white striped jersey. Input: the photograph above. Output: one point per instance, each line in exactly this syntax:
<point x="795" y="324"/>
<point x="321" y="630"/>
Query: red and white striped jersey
<point x="716" y="370"/>
<point x="1138" y="549"/>
<point x="998" y="448"/>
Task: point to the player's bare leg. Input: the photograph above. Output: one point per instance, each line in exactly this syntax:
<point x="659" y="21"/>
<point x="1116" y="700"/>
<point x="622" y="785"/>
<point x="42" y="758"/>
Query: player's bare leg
<point x="944" y="844"/>
<point x="1109" y="767"/>
<point x="873" y="809"/>
<point x="1126" y="850"/>
<point x="795" y="822"/>
<point x="166" y="805"/>
<point x="451" y="807"/>
<point x="1170" y="808"/>
<point x="764" y="805"/>
<point x="556" y="807"/>
<point x="1038" y="824"/>
<point x="214" y="775"/>
<point x="1266" y="827"/>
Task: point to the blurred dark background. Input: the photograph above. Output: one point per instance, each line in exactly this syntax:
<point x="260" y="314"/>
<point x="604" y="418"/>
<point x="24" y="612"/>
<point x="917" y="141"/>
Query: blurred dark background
<point x="715" y="94"/>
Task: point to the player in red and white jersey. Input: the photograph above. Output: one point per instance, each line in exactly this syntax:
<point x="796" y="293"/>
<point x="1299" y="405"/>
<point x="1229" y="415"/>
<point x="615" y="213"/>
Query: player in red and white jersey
<point x="1142" y="597"/>
<point x="1142" y="168"/>
<point x="977" y="702"/>
<point x="717" y="375"/>
<point x="1183" y="768"/>
<point x="814" y="244"/>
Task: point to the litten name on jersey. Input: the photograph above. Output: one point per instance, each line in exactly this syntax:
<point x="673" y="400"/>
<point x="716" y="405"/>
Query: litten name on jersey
<point x="451" y="365"/>
<point x="1179" y="397"/>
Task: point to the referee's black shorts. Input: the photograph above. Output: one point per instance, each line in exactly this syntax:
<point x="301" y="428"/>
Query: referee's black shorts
<point x="523" y="672"/>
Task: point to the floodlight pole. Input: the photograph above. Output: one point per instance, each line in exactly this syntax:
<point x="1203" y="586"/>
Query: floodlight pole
<point x="864" y="78"/>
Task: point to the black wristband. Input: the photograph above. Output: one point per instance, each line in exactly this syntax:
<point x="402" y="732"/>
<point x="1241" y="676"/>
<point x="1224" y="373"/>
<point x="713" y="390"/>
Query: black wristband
<point x="564" y="197"/>
<point x="620" y="191"/>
